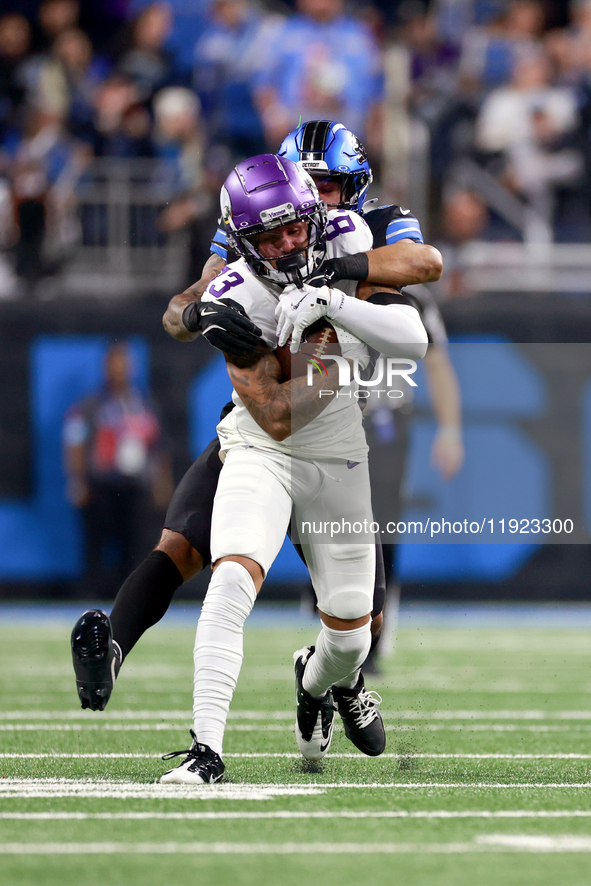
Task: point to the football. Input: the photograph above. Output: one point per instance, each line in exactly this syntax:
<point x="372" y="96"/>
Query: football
<point x="318" y="340"/>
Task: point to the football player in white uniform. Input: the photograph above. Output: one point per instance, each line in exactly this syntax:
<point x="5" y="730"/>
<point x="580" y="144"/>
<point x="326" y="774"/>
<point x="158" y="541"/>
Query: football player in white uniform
<point x="288" y="447"/>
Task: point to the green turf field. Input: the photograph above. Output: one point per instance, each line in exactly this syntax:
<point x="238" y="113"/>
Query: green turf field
<point x="486" y="779"/>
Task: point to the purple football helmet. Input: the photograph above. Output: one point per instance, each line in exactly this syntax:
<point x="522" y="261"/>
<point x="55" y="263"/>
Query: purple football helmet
<point x="266" y="192"/>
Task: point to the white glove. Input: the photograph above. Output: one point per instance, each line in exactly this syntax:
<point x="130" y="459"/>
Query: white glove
<point x="298" y="309"/>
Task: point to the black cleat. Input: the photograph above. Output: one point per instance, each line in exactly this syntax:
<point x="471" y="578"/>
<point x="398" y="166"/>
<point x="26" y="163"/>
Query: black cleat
<point x="314" y="716"/>
<point x="200" y="766"/>
<point x="359" y="710"/>
<point x="96" y="658"/>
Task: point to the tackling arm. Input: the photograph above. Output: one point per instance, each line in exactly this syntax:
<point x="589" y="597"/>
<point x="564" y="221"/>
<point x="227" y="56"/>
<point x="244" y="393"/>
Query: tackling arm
<point x="222" y="323"/>
<point x="173" y="317"/>
<point x="281" y="408"/>
<point x="394" y="330"/>
<point x="404" y="263"/>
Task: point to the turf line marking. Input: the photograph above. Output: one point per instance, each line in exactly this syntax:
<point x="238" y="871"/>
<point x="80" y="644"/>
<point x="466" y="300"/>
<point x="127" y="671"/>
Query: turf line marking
<point x="537" y="842"/>
<point x="137" y="715"/>
<point x="273" y="727"/>
<point x="58" y="788"/>
<point x="491" y="843"/>
<point x="483" y="727"/>
<point x="289" y="814"/>
<point x="156" y="791"/>
<point x="495" y="756"/>
<point x="294" y="756"/>
<point x="288" y="715"/>
<point x="133" y="727"/>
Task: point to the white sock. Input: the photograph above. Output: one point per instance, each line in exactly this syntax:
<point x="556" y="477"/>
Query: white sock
<point x="219" y="650"/>
<point x="337" y="659"/>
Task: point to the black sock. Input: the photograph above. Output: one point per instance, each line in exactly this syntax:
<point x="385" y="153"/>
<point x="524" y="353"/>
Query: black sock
<point x="143" y="599"/>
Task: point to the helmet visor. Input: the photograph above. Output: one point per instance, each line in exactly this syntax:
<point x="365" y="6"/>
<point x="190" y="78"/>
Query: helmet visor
<point x="335" y="190"/>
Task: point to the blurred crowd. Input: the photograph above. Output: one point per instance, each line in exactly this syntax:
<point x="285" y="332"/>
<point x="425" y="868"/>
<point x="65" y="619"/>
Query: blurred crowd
<point x="503" y="87"/>
<point x="196" y="85"/>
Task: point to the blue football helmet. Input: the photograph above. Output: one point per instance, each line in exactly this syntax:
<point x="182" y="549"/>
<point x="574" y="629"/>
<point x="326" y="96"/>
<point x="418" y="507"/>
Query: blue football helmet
<point x="330" y="150"/>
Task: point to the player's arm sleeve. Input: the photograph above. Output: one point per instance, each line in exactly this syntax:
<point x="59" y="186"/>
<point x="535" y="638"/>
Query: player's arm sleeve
<point x="404" y="228"/>
<point x="395" y="330"/>
<point x="423" y="301"/>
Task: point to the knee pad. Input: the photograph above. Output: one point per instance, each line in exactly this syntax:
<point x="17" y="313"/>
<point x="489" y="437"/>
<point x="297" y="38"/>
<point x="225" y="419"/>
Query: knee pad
<point x="344" y="580"/>
<point x="349" y="604"/>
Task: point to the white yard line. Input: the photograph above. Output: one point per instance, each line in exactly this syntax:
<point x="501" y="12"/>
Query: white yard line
<point x="137" y="715"/>
<point x="16" y="788"/>
<point x="291" y="814"/>
<point x="500" y="843"/>
<point x="537" y="842"/>
<point x="293" y="756"/>
<point x="135" y="727"/>
<point x="289" y="715"/>
<point x="114" y="790"/>
<point x="561" y="756"/>
<point x="276" y="727"/>
<point x="56" y="756"/>
<point x="483" y="727"/>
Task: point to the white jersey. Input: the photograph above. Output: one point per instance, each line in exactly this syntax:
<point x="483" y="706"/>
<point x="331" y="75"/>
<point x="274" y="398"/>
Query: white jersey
<point x="337" y="432"/>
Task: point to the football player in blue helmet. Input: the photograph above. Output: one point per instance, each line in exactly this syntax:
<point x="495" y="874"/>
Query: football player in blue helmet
<point x="331" y="153"/>
<point x="337" y="161"/>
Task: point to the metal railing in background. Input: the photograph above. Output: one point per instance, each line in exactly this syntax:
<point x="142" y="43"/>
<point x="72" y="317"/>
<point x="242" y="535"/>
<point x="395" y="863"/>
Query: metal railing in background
<point x="121" y="250"/>
<point x="522" y="215"/>
<point x="525" y="267"/>
<point x="537" y="264"/>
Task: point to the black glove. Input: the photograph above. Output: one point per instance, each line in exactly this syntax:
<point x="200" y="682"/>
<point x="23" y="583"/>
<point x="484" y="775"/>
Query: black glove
<point x="348" y="267"/>
<point x="225" y="326"/>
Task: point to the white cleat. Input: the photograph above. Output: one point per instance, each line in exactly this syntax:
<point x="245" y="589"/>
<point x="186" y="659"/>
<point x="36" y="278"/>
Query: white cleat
<point x="200" y="766"/>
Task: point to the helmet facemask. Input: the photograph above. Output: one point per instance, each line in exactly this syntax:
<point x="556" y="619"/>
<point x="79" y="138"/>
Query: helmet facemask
<point x="245" y="243"/>
<point x="353" y="187"/>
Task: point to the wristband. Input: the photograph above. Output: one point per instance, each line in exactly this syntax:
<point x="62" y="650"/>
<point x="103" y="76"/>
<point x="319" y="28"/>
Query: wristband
<point x="351" y="267"/>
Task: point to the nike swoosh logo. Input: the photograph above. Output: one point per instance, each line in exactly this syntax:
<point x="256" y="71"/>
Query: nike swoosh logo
<point x="323" y="747"/>
<point x="404" y="211"/>
<point x="206" y="313"/>
<point x="353" y="464"/>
